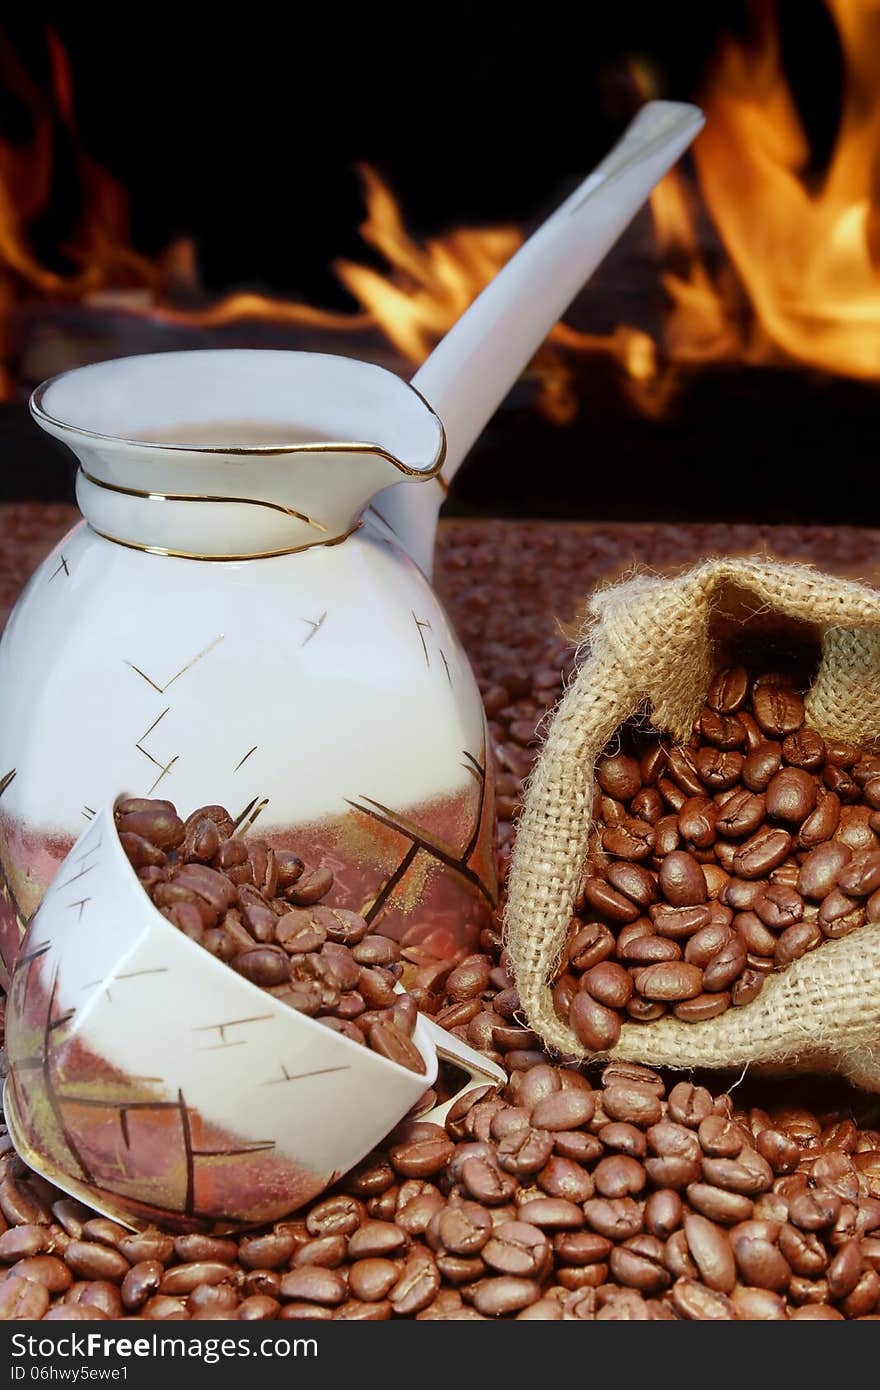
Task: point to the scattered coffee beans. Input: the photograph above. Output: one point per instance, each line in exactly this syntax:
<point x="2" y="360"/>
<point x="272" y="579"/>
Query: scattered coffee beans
<point x="485" y="1232"/>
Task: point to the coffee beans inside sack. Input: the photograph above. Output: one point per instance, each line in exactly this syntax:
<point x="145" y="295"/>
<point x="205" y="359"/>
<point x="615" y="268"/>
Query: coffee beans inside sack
<point x="696" y="878"/>
<point x="259" y="910"/>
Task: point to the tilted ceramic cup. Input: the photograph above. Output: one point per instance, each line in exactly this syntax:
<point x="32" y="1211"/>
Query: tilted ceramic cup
<point x="153" y="1082"/>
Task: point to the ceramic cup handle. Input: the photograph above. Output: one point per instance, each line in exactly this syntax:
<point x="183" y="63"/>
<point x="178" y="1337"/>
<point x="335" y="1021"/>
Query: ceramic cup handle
<point x="480" y="1069"/>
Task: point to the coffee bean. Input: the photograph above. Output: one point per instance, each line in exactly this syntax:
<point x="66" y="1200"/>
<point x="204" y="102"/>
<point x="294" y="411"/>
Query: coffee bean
<point x="75" y="1312"/>
<point x="729" y="690"/>
<point x="670" y="981"/>
<point x="860" y="877"/>
<point x="23" y="1242"/>
<point x="840" y="915"/>
<point x="761" y="765"/>
<point x="184" y="1278"/>
<point x="778" y="709"/>
<point x="605" y="899"/>
<point x="45" y="1270"/>
<point x="722" y="731"/>
<point x="609" y="984"/>
<point x="263" y="965"/>
<point x="619" y="776"/>
<point x="391" y="1042"/>
<point x="146" y="1245"/>
<point x="503" y="1295"/>
<point x="310" y="887"/>
<point x="791" y="795"/>
<point x="740" y="815"/>
<point x="619" y="1176"/>
<point x="711" y="1253"/>
<point x="313" y="1284"/>
<point x="718" y="770"/>
<point x="703" y="1006"/>
<point x="22" y="1299"/>
<point x="141" y="1282"/>
<point x="635" y="882"/>
<point x="795" y="941"/>
<point x="682" y="880"/>
<point x="517" y="1248"/>
<point x="779" y="906"/>
<point x="683" y="769"/>
<point x="615" y="1218"/>
<point x="725" y="966"/>
<point x="88" y="1260"/>
<point x="597" y="1028"/>
<point x="804" y="748"/>
<point x="820" y="869"/>
<point x="417" y="1286"/>
<point x="762" y="852"/>
<point x="20" y="1204"/>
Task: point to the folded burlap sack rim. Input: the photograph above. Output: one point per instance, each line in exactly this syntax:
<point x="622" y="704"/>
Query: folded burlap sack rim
<point x="650" y="646"/>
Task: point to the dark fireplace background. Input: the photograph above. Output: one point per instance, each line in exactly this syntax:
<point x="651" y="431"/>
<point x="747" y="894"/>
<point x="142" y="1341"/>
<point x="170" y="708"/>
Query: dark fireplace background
<point x="243" y="133"/>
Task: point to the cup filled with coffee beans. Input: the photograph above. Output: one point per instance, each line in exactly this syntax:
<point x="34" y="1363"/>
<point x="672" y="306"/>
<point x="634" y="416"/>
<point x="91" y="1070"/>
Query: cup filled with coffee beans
<point x="196" y="1040"/>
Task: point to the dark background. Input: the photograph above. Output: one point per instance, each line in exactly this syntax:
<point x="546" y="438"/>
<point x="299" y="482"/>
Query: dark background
<point x="241" y="128"/>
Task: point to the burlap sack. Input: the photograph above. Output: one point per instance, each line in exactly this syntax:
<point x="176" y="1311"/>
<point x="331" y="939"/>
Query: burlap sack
<point x="654" y="645"/>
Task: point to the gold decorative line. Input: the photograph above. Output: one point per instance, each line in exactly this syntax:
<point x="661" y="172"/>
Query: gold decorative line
<point x="130" y="975"/>
<point x="190" y="1201"/>
<point x="6" y="779"/>
<point x="444" y="854"/>
<point x="31" y="956"/>
<point x="246" y="756"/>
<point x="321" y="446"/>
<point x="258" y="1146"/>
<point x="224" y="559"/>
<point x="183" y="670"/>
<point x="230" y="1023"/>
<point x="165" y="768"/>
<point x="444" y="486"/>
<point x="420" y="623"/>
<point x="384" y="520"/>
<point x="91" y="850"/>
<point x="247" y="817"/>
<point x="314" y="626"/>
<point x="82" y="873"/>
<point x="301" y="1076"/>
<point x="164" y="773"/>
<point x="201" y="497"/>
<point x="372" y="910"/>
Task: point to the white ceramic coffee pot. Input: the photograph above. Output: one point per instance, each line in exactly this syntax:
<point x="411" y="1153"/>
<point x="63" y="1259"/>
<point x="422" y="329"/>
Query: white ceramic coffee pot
<point x="237" y="621"/>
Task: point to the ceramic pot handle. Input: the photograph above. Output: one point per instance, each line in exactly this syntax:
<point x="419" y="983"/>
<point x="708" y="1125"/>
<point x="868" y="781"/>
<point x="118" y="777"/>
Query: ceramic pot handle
<point x="481" y="1070"/>
<point x="471" y="370"/>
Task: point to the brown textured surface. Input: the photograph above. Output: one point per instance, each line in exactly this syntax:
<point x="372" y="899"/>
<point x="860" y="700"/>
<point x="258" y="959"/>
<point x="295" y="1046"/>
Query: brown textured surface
<point x="507" y="586"/>
<point x="543" y="569"/>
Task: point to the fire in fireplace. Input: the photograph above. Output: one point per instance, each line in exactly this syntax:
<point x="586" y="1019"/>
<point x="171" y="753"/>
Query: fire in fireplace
<point x="732" y="323"/>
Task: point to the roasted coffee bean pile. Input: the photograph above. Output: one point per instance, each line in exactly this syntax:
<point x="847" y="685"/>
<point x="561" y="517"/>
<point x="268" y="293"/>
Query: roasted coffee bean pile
<point x="259" y="910"/>
<point x="409" y="1233"/>
<point x="633" y="1198"/>
<point x="715" y="863"/>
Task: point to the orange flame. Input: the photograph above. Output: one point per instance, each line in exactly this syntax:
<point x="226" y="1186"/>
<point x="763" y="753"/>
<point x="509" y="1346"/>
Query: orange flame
<point x="799" y="281"/>
<point x="802" y="280"/>
<point x="426" y="289"/>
